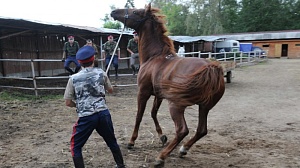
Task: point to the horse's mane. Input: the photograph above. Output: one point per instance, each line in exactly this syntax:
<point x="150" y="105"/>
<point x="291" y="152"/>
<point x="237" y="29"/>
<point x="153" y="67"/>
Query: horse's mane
<point x="165" y="45"/>
<point x="161" y="19"/>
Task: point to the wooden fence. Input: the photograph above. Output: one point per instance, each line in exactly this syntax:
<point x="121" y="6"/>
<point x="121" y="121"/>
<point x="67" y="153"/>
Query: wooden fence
<point x="238" y="57"/>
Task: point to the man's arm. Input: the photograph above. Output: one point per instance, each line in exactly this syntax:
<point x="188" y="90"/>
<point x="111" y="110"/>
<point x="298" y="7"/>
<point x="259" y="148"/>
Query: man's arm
<point x="96" y="49"/>
<point x="64" y="51"/>
<point x="104" y="51"/>
<point x="129" y="47"/>
<point x="130" y="51"/>
<point x="70" y="94"/>
<point x="64" y="55"/>
<point x="107" y="85"/>
<point x="103" y="54"/>
<point x="78" y="46"/>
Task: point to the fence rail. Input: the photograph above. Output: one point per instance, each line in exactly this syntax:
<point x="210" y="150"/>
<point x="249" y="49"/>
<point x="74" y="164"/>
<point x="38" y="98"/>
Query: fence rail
<point x="238" y="57"/>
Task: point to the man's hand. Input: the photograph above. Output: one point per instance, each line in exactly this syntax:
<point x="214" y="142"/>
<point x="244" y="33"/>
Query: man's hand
<point x="70" y="103"/>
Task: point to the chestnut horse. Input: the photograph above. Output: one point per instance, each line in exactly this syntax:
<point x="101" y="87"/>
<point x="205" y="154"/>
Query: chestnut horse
<point x="181" y="81"/>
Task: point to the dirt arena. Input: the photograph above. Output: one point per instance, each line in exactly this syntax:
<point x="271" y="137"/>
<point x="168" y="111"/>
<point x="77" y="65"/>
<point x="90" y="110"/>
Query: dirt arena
<point x="255" y="125"/>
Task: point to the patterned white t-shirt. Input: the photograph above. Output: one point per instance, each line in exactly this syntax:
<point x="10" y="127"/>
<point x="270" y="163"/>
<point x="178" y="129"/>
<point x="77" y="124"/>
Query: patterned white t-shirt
<point x="87" y="88"/>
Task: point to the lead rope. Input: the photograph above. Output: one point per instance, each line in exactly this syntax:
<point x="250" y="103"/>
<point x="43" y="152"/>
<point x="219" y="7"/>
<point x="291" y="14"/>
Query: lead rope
<point x="126" y="16"/>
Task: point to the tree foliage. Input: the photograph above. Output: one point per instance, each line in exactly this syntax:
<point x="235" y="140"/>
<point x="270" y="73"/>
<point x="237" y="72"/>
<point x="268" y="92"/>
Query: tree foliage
<point x="208" y="17"/>
<point x="109" y="22"/>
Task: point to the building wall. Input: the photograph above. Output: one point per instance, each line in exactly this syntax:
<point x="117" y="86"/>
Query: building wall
<point x="275" y="48"/>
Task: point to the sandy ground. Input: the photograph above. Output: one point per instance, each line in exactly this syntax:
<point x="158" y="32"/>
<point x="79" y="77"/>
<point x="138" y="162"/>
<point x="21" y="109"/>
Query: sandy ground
<point x="255" y="125"/>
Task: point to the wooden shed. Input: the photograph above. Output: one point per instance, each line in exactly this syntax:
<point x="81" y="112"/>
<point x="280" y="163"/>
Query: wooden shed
<point x="204" y="44"/>
<point x="24" y="39"/>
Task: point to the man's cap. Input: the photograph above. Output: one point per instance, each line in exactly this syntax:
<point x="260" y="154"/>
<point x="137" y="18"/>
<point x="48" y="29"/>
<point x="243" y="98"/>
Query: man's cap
<point x="85" y="54"/>
<point x="110" y="36"/>
<point x="70" y="36"/>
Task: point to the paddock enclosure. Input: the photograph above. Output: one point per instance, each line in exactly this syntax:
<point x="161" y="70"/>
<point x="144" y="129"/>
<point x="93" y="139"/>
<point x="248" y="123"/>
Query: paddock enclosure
<point x="256" y="124"/>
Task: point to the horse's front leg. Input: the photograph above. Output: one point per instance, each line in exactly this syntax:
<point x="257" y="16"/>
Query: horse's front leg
<point x="142" y="102"/>
<point x="201" y="131"/>
<point x="156" y="104"/>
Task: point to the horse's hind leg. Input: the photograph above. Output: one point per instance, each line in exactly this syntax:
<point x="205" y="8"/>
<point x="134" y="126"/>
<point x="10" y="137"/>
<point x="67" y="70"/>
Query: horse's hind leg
<point x="142" y="102"/>
<point x="155" y="107"/>
<point x="201" y="131"/>
<point x="177" y="114"/>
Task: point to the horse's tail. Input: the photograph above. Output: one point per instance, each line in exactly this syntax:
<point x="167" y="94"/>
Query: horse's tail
<point x="196" y="88"/>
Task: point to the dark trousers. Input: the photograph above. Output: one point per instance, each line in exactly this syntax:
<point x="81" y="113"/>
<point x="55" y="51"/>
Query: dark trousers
<point x="101" y="122"/>
<point x="115" y="63"/>
<point x="68" y="62"/>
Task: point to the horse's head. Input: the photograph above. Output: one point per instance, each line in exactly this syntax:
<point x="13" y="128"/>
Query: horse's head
<point x="132" y="18"/>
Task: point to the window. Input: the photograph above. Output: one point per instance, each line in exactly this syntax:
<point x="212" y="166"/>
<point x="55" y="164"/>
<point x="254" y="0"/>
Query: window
<point x="266" y="45"/>
<point x="297" y="45"/>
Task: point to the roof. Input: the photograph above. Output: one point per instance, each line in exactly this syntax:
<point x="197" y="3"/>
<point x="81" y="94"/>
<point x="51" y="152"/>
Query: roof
<point x="190" y="39"/>
<point x="40" y="25"/>
<point x="24" y="24"/>
<point x="272" y="35"/>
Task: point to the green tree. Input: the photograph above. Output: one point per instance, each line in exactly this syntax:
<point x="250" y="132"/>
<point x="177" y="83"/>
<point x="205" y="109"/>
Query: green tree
<point x="291" y="15"/>
<point x="109" y="22"/>
<point x="206" y="17"/>
<point x="259" y="15"/>
<point x="229" y="15"/>
<point x="176" y="15"/>
<point x="176" y="18"/>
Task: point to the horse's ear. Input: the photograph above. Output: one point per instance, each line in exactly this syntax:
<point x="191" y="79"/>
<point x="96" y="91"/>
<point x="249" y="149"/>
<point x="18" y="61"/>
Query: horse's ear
<point x="148" y="7"/>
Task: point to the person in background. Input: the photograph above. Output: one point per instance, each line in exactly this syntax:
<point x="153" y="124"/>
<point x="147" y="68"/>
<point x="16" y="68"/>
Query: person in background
<point x="133" y="49"/>
<point x="108" y="48"/>
<point x="69" y="54"/>
<point x="89" y="42"/>
<point x="86" y="92"/>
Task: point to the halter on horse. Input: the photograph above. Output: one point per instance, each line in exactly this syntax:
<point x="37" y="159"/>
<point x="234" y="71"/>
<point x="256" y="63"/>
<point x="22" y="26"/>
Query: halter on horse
<point x="181" y="81"/>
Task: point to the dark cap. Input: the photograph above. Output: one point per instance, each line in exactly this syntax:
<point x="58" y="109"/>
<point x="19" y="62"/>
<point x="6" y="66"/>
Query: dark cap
<point x="84" y="54"/>
<point x="110" y="36"/>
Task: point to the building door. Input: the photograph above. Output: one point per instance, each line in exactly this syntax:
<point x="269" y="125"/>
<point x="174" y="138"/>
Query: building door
<point x="277" y="50"/>
<point x="284" y="50"/>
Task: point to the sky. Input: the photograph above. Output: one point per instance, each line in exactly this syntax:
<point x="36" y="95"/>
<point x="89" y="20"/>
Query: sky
<point x="74" y="12"/>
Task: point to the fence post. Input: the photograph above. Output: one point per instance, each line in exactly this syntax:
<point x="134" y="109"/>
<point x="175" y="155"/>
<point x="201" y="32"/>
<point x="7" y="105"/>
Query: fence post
<point x="199" y="54"/>
<point x="241" y="57"/>
<point x="209" y="55"/>
<point x="249" y="57"/>
<point x="33" y="77"/>
<point x="234" y="57"/>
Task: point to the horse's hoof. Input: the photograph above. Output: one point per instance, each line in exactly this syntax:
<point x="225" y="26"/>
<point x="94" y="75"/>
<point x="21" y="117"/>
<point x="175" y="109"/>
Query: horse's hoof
<point x="130" y="146"/>
<point x="182" y="152"/>
<point x="164" y="139"/>
<point x="159" y="163"/>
